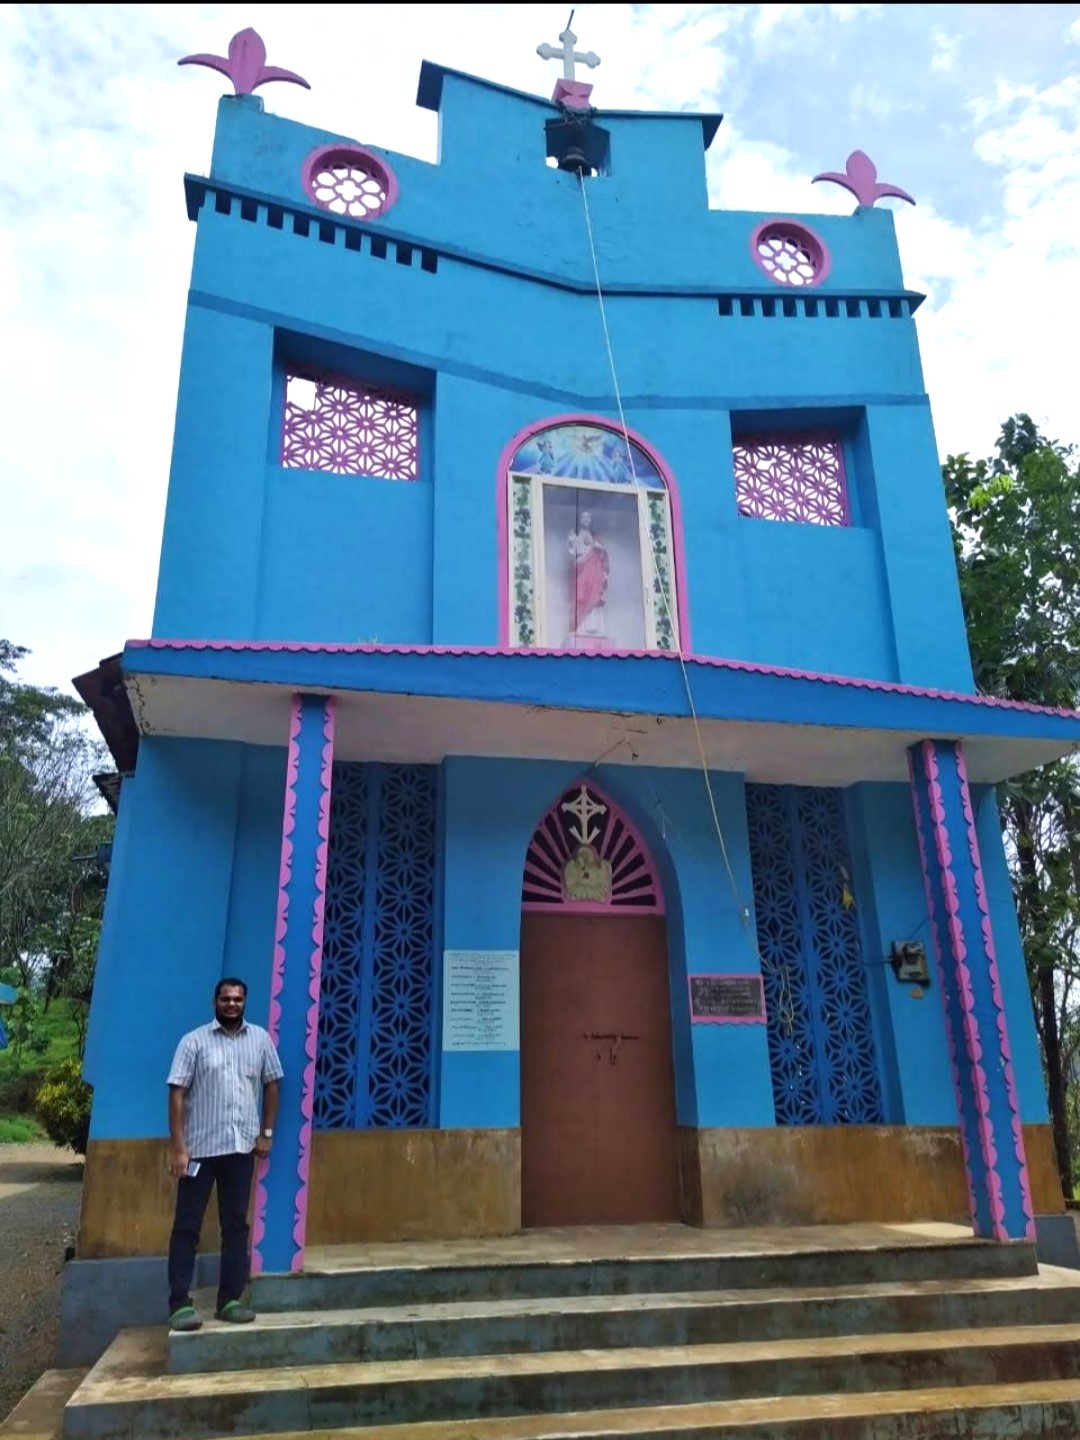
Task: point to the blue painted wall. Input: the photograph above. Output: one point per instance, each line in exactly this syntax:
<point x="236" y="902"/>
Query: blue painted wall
<point x="197" y="892"/>
<point x="373" y="543"/>
<point x="721" y="1072"/>
<point x="505" y="333"/>
<point x="508" y="332"/>
<point x="918" y="1084"/>
<point x="192" y="897"/>
<point x="249" y="928"/>
<point x="162" y="943"/>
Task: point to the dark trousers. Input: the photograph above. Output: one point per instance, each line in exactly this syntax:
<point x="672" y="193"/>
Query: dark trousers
<point x="232" y="1176"/>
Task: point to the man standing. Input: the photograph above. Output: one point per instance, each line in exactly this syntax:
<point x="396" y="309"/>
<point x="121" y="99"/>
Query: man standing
<point x="216" y="1136"/>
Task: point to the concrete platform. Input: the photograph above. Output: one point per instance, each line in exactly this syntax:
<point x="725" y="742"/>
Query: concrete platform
<point x="635" y="1259"/>
<point x="869" y="1332"/>
<point x="629" y="1242"/>
<point x="976" y="1413"/>
<point x="596" y="1322"/>
<point x="39" y="1415"/>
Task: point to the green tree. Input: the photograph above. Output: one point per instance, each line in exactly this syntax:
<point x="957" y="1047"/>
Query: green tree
<point x="22" y="1023"/>
<point x="1017" y="540"/>
<point x="51" y="878"/>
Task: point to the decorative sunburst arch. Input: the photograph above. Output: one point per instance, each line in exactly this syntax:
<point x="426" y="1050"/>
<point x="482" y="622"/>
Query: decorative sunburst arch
<point x="587" y="857"/>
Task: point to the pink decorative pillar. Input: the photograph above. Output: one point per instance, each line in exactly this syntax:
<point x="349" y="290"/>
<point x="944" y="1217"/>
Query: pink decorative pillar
<point x="991" y="1131"/>
<point x="281" y="1197"/>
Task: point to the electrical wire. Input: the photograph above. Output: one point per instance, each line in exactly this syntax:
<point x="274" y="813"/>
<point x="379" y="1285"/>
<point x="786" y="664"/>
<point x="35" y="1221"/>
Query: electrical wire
<point x="786" y="1003"/>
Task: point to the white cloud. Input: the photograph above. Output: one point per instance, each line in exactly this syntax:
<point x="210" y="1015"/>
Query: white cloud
<point x="782" y="22"/>
<point x="944" y="53"/>
<point x="746" y="174"/>
<point x="871" y="99"/>
<point x="1004" y="341"/>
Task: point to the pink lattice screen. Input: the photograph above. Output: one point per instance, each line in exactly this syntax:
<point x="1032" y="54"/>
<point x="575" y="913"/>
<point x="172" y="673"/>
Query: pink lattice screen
<point x="796" y="478"/>
<point x="338" y="424"/>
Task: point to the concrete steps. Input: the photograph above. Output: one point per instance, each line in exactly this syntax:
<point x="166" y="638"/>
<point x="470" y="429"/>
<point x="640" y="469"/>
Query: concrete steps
<point x="608" y="1322"/>
<point x="989" y="1412"/>
<point x="39" y="1415"/>
<point x="929" y="1337"/>
<point x="806" y="1266"/>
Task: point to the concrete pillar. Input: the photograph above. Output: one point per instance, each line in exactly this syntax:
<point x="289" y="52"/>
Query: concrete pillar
<point x="281" y="1195"/>
<point x="970" y="988"/>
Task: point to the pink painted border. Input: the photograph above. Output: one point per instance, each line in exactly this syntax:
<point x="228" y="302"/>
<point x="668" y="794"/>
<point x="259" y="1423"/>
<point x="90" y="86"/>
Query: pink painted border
<point x="311" y="1035"/>
<point x="990" y="954"/>
<point x="345" y="151"/>
<point x="826" y="256"/>
<point x="594" y="907"/>
<point x="939" y="959"/>
<point x="972" y="1036"/>
<point x="502" y="501"/>
<point x="281" y="930"/>
<point x="761" y="1019"/>
<point x="856" y="682"/>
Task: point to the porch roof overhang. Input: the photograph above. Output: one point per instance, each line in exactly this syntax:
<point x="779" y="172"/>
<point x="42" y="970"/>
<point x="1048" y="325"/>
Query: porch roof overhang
<point x="420" y="704"/>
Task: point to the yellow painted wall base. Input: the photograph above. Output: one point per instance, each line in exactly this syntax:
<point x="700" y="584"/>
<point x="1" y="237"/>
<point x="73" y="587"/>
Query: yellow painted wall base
<point x="449" y="1184"/>
<point x="128" y="1199"/>
<point x="832" y="1175"/>
<point x="365" y="1185"/>
<point x="413" y="1185"/>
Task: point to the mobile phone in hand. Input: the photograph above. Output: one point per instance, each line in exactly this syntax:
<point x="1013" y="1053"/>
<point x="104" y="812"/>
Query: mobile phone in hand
<point x="192" y="1169"/>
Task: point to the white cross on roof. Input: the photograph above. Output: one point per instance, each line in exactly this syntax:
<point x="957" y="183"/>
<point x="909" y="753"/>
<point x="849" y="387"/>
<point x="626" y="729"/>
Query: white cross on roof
<point x="568" y="55"/>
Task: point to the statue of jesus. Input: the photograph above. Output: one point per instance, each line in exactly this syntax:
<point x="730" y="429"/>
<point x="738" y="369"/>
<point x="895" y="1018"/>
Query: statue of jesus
<point x="588" y="583"/>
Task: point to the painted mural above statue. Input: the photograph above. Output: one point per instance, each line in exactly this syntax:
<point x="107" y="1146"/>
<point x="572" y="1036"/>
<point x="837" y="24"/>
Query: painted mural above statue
<point x="587" y="452"/>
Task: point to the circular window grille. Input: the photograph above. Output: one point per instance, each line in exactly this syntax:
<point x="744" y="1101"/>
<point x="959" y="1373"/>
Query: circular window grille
<point x="790" y="254"/>
<point x="350" y="181"/>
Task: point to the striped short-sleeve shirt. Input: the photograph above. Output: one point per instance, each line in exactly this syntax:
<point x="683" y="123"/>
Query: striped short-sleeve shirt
<point x="223" y="1072"/>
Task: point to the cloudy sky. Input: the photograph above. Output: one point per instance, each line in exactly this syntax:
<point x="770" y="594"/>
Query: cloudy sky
<point x="974" y="109"/>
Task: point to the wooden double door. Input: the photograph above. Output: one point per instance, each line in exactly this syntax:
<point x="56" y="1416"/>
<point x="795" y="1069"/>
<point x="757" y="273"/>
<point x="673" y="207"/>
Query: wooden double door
<point x="599" y="1134"/>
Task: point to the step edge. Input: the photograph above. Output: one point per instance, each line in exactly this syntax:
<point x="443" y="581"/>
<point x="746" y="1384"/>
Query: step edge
<point x="522" y="1365"/>
<point x="435" y="1311"/>
<point x="701" y="1414"/>
<point x="960" y="1246"/>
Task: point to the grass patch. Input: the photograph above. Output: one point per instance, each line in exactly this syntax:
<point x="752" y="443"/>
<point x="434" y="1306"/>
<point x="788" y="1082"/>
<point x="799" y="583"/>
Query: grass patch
<point x="20" y="1130"/>
<point x="20" y="1077"/>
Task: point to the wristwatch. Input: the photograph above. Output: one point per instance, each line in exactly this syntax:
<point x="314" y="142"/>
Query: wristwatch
<point x="268" y="1134"/>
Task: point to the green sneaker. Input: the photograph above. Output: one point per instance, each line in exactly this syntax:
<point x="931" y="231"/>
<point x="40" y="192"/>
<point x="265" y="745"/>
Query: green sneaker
<point x="186" y="1318"/>
<point x="234" y="1313"/>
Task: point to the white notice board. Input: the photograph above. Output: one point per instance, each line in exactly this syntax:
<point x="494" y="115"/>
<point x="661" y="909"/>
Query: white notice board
<point x="480" y="1000"/>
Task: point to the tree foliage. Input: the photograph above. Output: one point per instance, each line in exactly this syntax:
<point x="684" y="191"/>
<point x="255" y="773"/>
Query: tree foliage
<point x="1015" y="527"/>
<point x="51" y="871"/>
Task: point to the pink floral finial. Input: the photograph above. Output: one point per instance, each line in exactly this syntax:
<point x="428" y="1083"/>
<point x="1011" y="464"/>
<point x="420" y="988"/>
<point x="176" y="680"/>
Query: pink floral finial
<point x="860" y="177"/>
<point x="246" y="64"/>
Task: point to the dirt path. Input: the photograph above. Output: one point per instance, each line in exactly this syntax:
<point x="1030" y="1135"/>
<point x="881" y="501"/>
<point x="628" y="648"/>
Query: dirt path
<point x="39" y="1210"/>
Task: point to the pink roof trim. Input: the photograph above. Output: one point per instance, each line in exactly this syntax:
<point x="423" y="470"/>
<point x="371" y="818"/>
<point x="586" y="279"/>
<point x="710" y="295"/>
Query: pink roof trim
<point x="314" y="647"/>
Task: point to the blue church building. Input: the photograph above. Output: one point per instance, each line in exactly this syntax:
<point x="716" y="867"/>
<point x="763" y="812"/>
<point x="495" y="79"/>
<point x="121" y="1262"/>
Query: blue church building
<point x="558" y="709"/>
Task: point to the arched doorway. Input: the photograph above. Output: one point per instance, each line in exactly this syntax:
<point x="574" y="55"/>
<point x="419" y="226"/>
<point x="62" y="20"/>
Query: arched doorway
<point x="599" y="1138"/>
